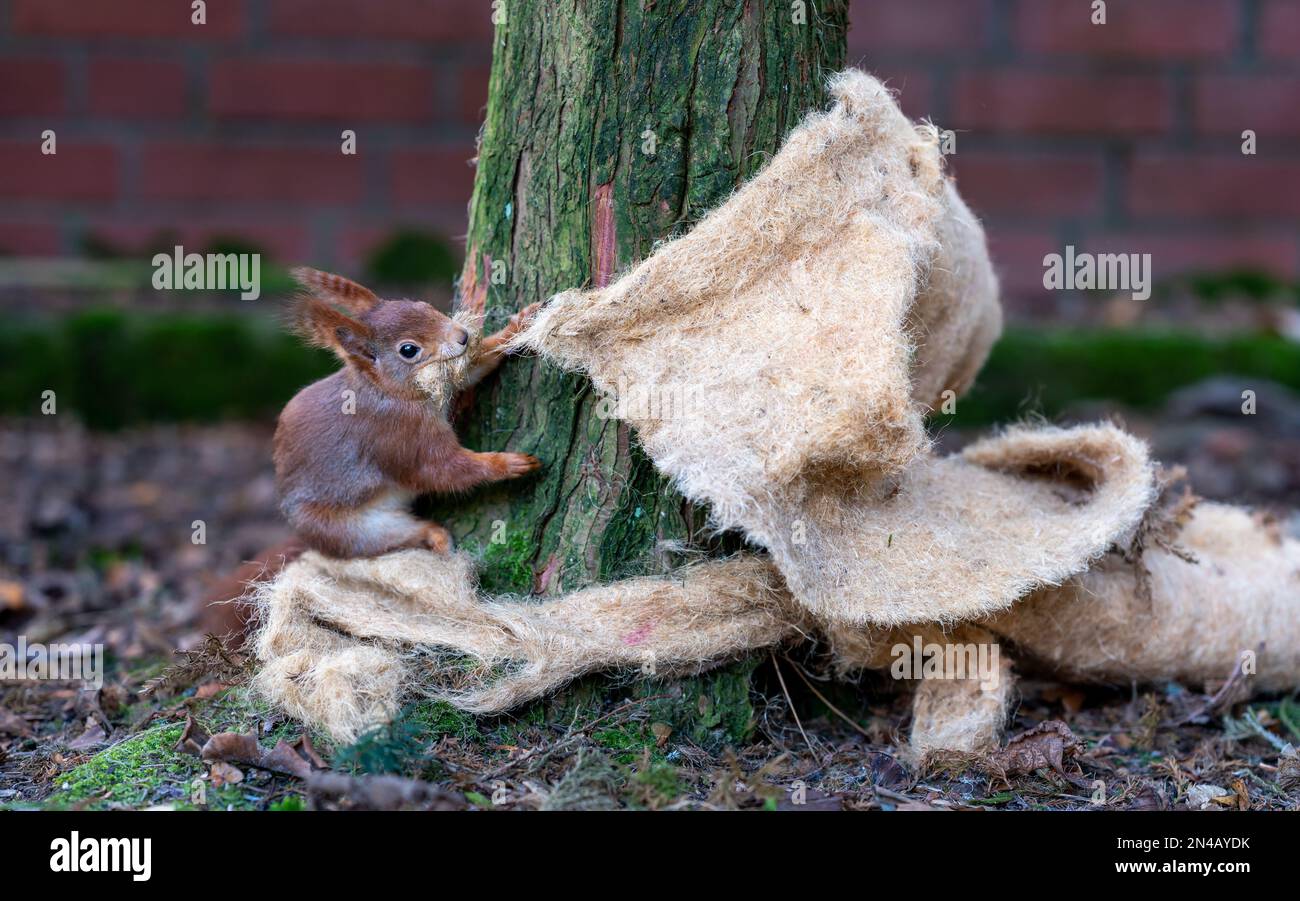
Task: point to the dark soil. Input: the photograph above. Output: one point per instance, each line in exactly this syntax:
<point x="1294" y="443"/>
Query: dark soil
<point x="97" y="545"/>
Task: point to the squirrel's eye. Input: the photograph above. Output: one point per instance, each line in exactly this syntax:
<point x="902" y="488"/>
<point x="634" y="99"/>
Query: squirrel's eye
<point x="409" y="351"/>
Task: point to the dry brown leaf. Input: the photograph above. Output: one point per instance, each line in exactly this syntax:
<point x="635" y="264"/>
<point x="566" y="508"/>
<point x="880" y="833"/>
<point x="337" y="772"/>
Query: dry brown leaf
<point x="13" y="724"/>
<point x="223" y="773"/>
<point x="209" y="689"/>
<point x="12" y="595"/>
<point x="93" y="736"/>
<point x="1240" y="795"/>
<point x="1044" y="746"/>
<point x="304" y="747"/>
<point x="1202" y="795"/>
<point x="234" y="747"/>
<point x="192" y="739"/>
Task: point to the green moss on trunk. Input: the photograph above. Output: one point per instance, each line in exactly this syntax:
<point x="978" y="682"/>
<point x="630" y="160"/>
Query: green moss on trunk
<point x="610" y="126"/>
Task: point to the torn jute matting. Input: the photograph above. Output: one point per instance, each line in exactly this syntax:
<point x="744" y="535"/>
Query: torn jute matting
<point x="802" y="331"/>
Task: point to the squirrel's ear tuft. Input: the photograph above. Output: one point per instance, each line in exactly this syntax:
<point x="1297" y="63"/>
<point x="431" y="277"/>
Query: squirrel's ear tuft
<point x="336" y="289"/>
<point x="322" y="325"/>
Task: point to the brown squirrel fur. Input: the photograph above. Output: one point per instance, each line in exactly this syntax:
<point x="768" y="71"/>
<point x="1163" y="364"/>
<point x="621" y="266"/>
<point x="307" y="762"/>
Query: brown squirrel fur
<point x="224" y="610"/>
<point x="353" y="450"/>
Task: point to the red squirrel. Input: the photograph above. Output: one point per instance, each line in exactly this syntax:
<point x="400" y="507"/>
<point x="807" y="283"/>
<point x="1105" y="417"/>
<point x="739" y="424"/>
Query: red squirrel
<point x="348" y="464"/>
<point x="353" y="450"/>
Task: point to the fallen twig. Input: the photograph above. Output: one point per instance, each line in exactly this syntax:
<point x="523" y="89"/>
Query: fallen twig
<point x="1225" y="696"/>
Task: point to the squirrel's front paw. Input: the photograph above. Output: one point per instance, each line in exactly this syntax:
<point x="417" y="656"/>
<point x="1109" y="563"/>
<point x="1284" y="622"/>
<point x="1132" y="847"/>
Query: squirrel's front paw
<point x="520" y="464"/>
<point x="521" y="320"/>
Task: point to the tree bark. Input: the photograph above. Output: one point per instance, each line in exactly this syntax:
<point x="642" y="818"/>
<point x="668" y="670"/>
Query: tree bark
<point x="611" y="124"/>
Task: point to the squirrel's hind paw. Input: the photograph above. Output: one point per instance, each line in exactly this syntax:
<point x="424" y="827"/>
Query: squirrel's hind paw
<point x="437" y="539"/>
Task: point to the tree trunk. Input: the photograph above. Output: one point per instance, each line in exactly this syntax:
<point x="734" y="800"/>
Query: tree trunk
<point x="611" y="124"/>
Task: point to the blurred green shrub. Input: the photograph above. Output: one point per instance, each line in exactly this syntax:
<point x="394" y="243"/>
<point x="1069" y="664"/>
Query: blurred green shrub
<point x="412" y="257"/>
<point x="1044" y="371"/>
<point x="1213" y="287"/>
<point x="114" y="368"/>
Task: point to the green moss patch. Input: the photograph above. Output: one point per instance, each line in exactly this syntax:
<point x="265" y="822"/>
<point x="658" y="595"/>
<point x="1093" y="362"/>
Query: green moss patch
<point x="1045" y="371"/>
<point x="137" y="772"/>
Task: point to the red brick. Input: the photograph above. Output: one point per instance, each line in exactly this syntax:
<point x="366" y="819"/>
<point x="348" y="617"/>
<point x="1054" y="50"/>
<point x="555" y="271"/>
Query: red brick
<point x="321" y="89"/>
<point x="78" y="172"/>
<point x="914" y="88"/>
<point x="432" y="176"/>
<point x="925" y="25"/>
<point x="449" y="21"/>
<point x="1229" y="104"/>
<point x="285" y="241"/>
<point x="187" y="171"/>
<point x="31" y="87"/>
<point x="1018" y="258"/>
<point x="29" y="239"/>
<point x="1279" y="29"/>
<point x="137" y="88"/>
<point x="1174" y="253"/>
<point x="1167" y="185"/>
<point x="126" y="18"/>
<point x="1144" y="30"/>
<point x="1029" y="185"/>
<point x="1028" y="102"/>
<point x="357" y="242"/>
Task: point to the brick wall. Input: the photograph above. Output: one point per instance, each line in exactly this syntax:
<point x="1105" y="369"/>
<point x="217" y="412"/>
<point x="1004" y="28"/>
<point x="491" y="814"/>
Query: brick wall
<point x="233" y="128"/>
<point x="1125" y="136"/>
<point x="1117" y="137"/>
